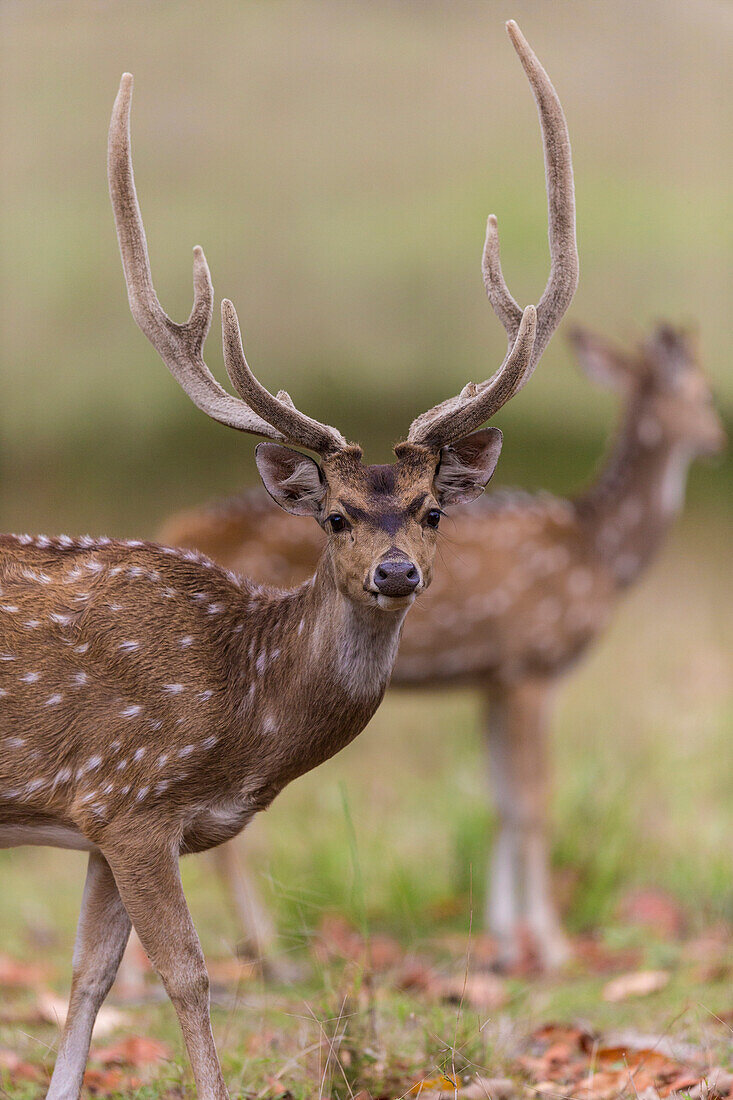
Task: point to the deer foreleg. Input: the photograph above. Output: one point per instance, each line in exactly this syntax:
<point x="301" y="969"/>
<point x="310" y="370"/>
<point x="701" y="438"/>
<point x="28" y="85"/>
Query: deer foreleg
<point x="100" y="940"/>
<point x="519" y="895"/>
<point x="149" y="882"/>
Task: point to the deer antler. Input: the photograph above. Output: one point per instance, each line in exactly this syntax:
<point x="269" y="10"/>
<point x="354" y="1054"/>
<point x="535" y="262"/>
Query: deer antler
<point x="451" y="419"/>
<point x="181" y="346"/>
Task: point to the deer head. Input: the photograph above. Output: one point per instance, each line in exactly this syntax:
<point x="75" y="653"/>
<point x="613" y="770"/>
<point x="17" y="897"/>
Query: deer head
<point x="380" y="521"/>
<point x="666" y="384"/>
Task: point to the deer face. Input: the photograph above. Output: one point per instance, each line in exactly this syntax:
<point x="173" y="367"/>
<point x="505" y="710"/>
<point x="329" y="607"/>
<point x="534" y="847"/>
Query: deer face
<point x="679" y="394"/>
<point x="381" y="521"/>
<point x="664" y="381"/>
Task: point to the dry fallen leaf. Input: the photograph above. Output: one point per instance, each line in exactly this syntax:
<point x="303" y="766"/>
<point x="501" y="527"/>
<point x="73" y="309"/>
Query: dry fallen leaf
<point x="654" y="910"/>
<point x="104" y="1082"/>
<point x="15" y="973"/>
<point x="19" y="1070"/>
<point x="638" y="984"/>
<point x="136" y="1050"/>
<point x="432" y="1085"/>
<point x="53" y="1009"/>
<point x="481" y="991"/>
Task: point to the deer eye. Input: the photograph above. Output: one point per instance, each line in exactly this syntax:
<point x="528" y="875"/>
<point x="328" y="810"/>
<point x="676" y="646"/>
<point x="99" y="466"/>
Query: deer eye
<point x="432" y="519"/>
<point x="337" y="522"/>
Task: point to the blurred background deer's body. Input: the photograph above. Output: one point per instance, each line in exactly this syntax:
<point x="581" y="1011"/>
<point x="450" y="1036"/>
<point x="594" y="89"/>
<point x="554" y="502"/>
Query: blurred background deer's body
<point x="525" y="583"/>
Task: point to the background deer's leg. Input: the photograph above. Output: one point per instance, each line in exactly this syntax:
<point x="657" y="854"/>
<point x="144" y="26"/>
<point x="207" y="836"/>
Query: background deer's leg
<point x="254" y="922"/>
<point x="100" y="940"/>
<point x="131" y="985"/>
<point x="519" y="884"/>
<point x="149" y="882"/>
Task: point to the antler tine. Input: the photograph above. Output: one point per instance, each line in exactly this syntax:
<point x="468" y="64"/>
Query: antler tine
<point x="528" y="331"/>
<point x="278" y="411"/>
<point x="564" y="264"/>
<point x="181" y="346"/>
<point x="474" y="405"/>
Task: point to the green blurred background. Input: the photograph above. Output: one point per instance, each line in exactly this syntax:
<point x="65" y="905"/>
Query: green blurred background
<point x="337" y="161"/>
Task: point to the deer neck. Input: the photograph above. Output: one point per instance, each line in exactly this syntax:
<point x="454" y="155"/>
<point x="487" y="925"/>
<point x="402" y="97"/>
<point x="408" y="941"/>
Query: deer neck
<point x="352" y="645"/>
<point x="334" y="660"/>
<point x="637" y="496"/>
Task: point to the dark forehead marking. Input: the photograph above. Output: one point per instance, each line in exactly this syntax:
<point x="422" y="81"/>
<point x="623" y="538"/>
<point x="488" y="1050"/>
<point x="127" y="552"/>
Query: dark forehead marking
<point x="380" y="479"/>
<point x="386" y="519"/>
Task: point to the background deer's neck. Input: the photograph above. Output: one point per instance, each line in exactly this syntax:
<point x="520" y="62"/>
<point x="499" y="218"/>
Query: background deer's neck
<point x="638" y="494"/>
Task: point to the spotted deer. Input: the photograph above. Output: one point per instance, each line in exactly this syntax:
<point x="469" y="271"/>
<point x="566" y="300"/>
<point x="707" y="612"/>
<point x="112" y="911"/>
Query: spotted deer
<point x="526" y="584"/>
<point x="153" y="701"/>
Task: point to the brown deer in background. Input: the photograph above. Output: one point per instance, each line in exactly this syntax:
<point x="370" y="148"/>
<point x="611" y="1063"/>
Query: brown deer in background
<point x="152" y="702"/>
<point x="532" y="584"/>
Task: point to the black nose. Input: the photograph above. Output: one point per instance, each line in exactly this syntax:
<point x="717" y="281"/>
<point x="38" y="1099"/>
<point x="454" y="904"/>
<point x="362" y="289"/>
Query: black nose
<point x="396" y="577"/>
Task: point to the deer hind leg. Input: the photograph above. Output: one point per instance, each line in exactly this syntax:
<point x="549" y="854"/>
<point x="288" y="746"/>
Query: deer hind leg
<point x="100" y="940"/>
<point x="149" y="882"/>
<point x="519" y="895"/>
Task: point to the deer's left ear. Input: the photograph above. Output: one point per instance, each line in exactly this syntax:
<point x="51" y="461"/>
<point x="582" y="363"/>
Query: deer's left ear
<point x="466" y="467"/>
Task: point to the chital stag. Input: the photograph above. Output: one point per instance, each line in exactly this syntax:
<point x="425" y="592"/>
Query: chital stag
<point x="152" y="701"/>
<point x="532" y="584"/>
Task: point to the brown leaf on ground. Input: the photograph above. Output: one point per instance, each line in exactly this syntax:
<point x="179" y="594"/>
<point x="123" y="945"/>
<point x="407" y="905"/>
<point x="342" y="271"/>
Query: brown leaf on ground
<point x="136" y="1051"/>
<point x="481" y="991"/>
<point x="337" y="938"/>
<point x="433" y="1085"/>
<point x="573" y="1062"/>
<point x="22" y="975"/>
<point x="637" y="984"/>
<point x="276" y="1090"/>
<point x="597" y="958"/>
<point x="105" y="1082"/>
<point x="655" y="910"/>
<point x="19" y="1070"/>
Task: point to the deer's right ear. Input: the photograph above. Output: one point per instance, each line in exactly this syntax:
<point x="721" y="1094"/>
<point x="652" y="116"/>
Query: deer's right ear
<point x="601" y="360"/>
<point x="293" y="480"/>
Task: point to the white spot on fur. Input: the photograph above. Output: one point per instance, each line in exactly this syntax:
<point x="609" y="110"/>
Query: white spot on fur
<point x="131" y="711"/>
<point x="54" y="700"/>
<point x="579" y="581"/>
<point x="649" y="431"/>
